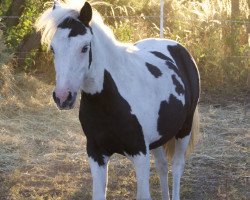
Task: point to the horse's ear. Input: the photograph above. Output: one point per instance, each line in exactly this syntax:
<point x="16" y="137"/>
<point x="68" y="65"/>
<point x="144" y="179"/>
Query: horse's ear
<point x="56" y="4"/>
<point x="86" y="14"/>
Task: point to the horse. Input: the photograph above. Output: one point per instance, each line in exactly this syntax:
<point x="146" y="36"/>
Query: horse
<point x="135" y="98"/>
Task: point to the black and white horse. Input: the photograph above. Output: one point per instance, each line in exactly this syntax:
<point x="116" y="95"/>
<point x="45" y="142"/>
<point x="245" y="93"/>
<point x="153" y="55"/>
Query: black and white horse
<point x="134" y="98"/>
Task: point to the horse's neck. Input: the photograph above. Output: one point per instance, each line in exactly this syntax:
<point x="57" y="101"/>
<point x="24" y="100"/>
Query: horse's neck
<point x="107" y="54"/>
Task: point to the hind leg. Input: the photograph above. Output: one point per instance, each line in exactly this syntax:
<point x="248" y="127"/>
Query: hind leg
<point x="178" y="164"/>
<point x="161" y="165"/>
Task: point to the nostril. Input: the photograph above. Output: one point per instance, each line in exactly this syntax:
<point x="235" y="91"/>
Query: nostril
<point x="69" y="97"/>
<point x="54" y="96"/>
<point x="56" y="99"/>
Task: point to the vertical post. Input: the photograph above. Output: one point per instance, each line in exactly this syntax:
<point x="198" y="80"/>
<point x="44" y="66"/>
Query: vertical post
<point x="161" y="18"/>
<point x="235" y="14"/>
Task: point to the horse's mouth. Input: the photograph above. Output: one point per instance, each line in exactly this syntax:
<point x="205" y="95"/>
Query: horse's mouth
<point x="66" y="107"/>
<point x="68" y="104"/>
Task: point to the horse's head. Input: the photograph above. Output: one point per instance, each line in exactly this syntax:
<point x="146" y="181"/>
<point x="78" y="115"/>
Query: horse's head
<point x="71" y="46"/>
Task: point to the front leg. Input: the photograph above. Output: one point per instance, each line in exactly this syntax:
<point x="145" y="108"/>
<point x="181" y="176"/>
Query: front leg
<point x="99" y="177"/>
<point x="142" y="168"/>
<point x="99" y="168"/>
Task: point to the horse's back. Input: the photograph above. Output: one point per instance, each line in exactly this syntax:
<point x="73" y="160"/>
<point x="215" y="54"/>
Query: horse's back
<point x="152" y="44"/>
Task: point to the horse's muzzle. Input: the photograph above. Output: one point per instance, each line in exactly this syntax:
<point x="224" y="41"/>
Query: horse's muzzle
<point x="68" y="103"/>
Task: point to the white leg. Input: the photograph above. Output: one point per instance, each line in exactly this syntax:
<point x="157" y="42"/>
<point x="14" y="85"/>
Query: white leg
<point x="142" y="169"/>
<point x="178" y="164"/>
<point x="161" y="165"/>
<point x="99" y="176"/>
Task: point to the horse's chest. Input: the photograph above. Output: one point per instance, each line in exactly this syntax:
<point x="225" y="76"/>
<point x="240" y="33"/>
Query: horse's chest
<point x="108" y="123"/>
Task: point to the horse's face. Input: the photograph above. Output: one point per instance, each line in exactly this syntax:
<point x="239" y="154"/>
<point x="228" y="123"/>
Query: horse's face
<point x="71" y="46"/>
<point x="72" y="59"/>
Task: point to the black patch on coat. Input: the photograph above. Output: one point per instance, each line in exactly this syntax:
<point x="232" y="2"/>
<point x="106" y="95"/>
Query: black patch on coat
<point x="169" y="61"/>
<point x="90" y="55"/>
<point x="178" y="87"/>
<point x="188" y="72"/>
<point x="161" y="56"/>
<point x="182" y="116"/>
<point x="172" y="115"/>
<point x="77" y="28"/>
<point x="173" y="67"/>
<point x="155" y="71"/>
<point x="91" y="30"/>
<point x="108" y="124"/>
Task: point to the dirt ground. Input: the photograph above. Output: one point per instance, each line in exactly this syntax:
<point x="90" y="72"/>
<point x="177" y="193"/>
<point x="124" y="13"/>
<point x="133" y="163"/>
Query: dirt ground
<point x="42" y="152"/>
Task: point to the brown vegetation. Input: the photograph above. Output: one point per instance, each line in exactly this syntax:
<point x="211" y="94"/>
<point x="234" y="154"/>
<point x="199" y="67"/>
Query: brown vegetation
<point x="42" y="154"/>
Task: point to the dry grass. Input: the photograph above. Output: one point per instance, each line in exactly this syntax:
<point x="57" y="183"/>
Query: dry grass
<point x="218" y="169"/>
<point x="42" y="152"/>
<point x="5" y="70"/>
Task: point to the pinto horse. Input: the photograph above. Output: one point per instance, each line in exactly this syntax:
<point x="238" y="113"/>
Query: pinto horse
<point x="135" y="98"/>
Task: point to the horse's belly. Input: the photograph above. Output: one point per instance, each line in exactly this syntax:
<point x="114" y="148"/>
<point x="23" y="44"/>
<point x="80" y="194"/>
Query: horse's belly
<point x="169" y="120"/>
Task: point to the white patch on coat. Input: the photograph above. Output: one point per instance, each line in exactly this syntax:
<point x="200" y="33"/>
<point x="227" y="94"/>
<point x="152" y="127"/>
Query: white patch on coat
<point x="99" y="175"/>
<point x="142" y="168"/>
<point x="179" y="164"/>
<point x="161" y="164"/>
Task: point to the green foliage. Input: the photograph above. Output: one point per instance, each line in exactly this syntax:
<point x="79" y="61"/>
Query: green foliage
<point x="15" y="35"/>
<point x="4" y="5"/>
<point x="25" y="26"/>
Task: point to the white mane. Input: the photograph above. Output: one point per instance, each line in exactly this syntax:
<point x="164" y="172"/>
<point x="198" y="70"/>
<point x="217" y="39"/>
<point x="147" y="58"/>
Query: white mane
<point x="48" y="22"/>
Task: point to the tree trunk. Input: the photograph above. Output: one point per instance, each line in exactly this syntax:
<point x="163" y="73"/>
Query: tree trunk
<point x="30" y="42"/>
<point x="16" y="8"/>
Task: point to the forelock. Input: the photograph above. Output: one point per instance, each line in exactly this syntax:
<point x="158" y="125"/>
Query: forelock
<point x="51" y="19"/>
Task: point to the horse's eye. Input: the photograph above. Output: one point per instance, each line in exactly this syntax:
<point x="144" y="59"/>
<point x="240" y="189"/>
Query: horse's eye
<point x="51" y="49"/>
<point x="85" y="48"/>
